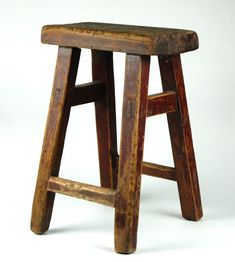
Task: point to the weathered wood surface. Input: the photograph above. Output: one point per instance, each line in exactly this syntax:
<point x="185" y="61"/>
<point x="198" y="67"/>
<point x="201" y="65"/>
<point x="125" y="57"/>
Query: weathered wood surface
<point x="102" y="70"/>
<point x="104" y="196"/>
<point x="165" y="102"/>
<point x="121" y="38"/>
<point x="59" y="110"/>
<point x="157" y="170"/>
<point x="122" y="193"/>
<point x="87" y="93"/>
<point x="181" y="139"/>
<point x="160" y="171"/>
<point x="131" y="152"/>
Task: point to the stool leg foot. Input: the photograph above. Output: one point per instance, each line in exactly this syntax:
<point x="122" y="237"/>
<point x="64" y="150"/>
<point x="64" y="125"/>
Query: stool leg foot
<point x="102" y="70"/>
<point x="58" y="116"/>
<point x="131" y="153"/>
<point x="181" y="139"/>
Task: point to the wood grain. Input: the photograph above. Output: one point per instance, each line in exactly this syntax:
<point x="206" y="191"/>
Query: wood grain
<point x="157" y="170"/>
<point x="121" y="38"/>
<point x="165" y="102"/>
<point x="120" y="176"/>
<point x="181" y="139"/>
<point x="104" y="196"/>
<point x="102" y="70"/>
<point x="59" y="110"/>
<point x="131" y="152"/>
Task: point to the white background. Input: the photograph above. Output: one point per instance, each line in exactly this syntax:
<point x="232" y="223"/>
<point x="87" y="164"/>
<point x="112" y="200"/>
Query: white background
<point x="81" y="230"/>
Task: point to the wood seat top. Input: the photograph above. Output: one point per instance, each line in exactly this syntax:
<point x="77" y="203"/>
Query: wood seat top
<point x="121" y="38"/>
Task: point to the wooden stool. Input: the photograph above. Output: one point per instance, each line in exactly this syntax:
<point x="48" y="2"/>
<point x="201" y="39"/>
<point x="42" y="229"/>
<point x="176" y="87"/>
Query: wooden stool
<point x="120" y="176"/>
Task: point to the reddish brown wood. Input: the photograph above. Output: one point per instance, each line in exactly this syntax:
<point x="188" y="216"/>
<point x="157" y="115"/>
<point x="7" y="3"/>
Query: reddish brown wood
<point x="131" y="152"/>
<point x="121" y="38"/>
<point x="139" y="43"/>
<point x="102" y="70"/>
<point x="157" y="170"/>
<point x="101" y="195"/>
<point x="64" y="81"/>
<point x="160" y="171"/>
<point x="181" y="139"/>
<point x="87" y="93"/>
<point x="165" y="102"/>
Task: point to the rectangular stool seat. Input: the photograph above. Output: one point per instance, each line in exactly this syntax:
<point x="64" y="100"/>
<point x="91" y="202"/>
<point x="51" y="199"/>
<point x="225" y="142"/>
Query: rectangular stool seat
<point x="121" y="38"/>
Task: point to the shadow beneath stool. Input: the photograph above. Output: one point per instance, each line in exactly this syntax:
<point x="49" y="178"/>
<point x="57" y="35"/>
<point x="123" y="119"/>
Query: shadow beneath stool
<point x="171" y="214"/>
<point x="161" y="212"/>
<point x="105" y="248"/>
<point x="78" y="228"/>
<point x="167" y="247"/>
<point x="64" y="229"/>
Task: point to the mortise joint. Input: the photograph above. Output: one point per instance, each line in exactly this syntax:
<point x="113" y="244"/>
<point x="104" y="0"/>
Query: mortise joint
<point x="129" y="111"/>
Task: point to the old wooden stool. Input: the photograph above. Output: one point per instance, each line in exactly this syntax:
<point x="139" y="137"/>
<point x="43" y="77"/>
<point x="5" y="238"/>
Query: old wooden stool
<point x="120" y="176"/>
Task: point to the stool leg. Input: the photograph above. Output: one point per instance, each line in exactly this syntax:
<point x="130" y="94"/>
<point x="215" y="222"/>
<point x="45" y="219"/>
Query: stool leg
<point x="131" y="152"/>
<point x="58" y="116"/>
<point x="102" y="70"/>
<point x="181" y="139"/>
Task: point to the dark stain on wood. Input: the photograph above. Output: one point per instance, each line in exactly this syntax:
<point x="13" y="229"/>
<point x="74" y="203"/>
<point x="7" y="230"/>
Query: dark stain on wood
<point x="105" y="112"/>
<point x="165" y="102"/>
<point x="181" y="139"/>
<point x="87" y="93"/>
